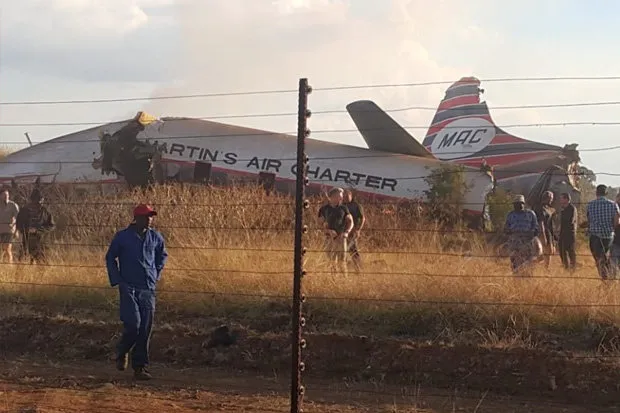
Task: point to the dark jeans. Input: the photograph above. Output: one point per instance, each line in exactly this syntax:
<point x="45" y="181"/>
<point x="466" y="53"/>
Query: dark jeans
<point x="599" y="248"/>
<point x="566" y="245"/>
<point x="137" y="310"/>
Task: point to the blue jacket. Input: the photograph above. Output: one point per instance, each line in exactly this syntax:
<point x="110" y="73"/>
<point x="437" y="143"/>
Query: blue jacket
<point x="140" y="262"/>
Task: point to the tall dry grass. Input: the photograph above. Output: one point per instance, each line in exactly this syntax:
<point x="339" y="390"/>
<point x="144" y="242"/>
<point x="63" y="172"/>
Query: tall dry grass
<point x="229" y="247"/>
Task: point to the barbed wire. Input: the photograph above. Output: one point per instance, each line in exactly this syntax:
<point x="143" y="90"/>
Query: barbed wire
<point x="280" y="229"/>
<point x="323" y="272"/>
<point x="365" y="204"/>
<point x="405" y="203"/>
<point x="465" y="254"/>
<point x="327" y="298"/>
<point x="319" y="89"/>
<point x="340" y="298"/>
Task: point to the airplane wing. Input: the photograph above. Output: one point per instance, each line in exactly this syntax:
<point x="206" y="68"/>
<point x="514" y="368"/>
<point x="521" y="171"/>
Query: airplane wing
<point x="382" y="133"/>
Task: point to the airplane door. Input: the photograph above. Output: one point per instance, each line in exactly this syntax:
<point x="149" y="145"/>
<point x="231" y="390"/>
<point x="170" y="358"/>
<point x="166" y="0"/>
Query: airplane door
<point x="202" y="172"/>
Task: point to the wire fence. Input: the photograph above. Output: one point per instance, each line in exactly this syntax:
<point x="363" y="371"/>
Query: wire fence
<point x="420" y="293"/>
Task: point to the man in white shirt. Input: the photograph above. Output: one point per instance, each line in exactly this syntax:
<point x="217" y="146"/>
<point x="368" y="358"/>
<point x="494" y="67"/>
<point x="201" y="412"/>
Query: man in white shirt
<point x="8" y="218"/>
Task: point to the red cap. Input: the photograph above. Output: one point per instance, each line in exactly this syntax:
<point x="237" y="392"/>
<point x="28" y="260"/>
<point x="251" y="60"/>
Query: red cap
<point x="142" y="210"/>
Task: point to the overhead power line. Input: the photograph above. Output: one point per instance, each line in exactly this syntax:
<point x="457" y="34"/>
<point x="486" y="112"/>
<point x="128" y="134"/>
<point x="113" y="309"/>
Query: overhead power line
<point x="324" y="112"/>
<point x="321" y="131"/>
<point x="282" y="91"/>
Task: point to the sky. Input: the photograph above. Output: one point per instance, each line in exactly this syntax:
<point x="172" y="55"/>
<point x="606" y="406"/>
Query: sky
<point x="93" y="49"/>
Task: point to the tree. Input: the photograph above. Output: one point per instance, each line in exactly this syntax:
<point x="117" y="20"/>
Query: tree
<point x="500" y="204"/>
<point x="446" y="192"/>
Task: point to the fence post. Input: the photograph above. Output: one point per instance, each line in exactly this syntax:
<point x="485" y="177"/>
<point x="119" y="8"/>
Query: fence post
<point x="297" y="389"/>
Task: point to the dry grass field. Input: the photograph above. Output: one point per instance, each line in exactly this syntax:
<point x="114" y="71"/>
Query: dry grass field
<point x="432" y="308"/>
<point x="232" y="250"/>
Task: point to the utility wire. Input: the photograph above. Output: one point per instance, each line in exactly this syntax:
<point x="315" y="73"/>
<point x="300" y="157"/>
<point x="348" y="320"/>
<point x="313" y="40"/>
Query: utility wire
<point x="328" y="112"/>
<point x="329" y="88"/>
<point x="359" y="130"/>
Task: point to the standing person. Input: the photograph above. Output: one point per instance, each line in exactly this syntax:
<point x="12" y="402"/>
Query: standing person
<point x="338" y="223"/>
<point x="522" y="228"/>
<point x="359" y="220"/>
<point x="8" y="223"/>
<point x="34" y="221"/>
<point x="603" y="215"/>
<point x="615" y="246"/>
<point x="568" y="232"/>
<point x="141" y="254"/>
<point x="544" y="214"/>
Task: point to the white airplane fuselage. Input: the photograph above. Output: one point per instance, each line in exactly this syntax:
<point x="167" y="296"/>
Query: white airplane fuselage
<point x="237" y="152"/>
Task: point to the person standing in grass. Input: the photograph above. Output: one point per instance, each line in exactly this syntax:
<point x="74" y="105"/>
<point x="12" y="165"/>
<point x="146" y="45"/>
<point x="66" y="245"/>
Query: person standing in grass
<point x="522" y="228"/>
<point x="359" y="220"/>
<point x="603" y="216"/>
<point x="8" y="223"/>
<point x="568" y="232"/>
<point x="34" y="221"/>
<point x="615" y="246"/>
<point x="338" y="223"/>
<point x="544" y="214"/>
<point x="135" y="261"/>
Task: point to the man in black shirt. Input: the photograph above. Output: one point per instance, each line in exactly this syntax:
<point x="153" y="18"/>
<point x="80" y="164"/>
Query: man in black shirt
<point x="544" y="213"/>
<point x="35" y="222"/>
<point x="568" y="232"/>
<point x="338" y="223"/>
<point x="359" y="219"/>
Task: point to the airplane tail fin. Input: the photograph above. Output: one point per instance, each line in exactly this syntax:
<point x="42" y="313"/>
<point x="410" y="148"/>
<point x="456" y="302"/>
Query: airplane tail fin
<point x="463" y="131"/>
<point x="382" y="133"/>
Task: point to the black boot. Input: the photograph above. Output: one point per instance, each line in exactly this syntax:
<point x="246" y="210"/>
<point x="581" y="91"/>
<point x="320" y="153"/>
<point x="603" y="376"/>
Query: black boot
<point x="141" y="373"/>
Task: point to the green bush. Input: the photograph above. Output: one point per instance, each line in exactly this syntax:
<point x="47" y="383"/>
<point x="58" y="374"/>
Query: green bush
<point x="446" y="194"/>
<point x="500" y="204"/>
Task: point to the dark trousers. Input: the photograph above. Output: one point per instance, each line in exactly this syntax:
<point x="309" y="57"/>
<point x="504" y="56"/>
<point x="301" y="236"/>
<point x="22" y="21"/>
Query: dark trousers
<point x="567" y="247"/>
<point x="33" y="247"/>
<point x="137" y="310"/>
<point x="599" y="248"/>
<point x="355" y="254"/>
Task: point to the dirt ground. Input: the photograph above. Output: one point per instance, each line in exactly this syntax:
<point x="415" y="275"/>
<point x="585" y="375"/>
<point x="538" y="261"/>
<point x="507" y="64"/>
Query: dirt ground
<point x="96" y="387"/>
<point x="64" y="363"/>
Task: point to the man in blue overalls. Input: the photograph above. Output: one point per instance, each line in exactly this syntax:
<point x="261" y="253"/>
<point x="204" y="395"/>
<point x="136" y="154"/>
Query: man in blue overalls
<point x="135" y="260"/>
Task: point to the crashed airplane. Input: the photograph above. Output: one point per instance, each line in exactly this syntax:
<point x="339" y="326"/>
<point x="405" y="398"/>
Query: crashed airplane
<point x="462" y="131"/>
<point x="146" y="150"/>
